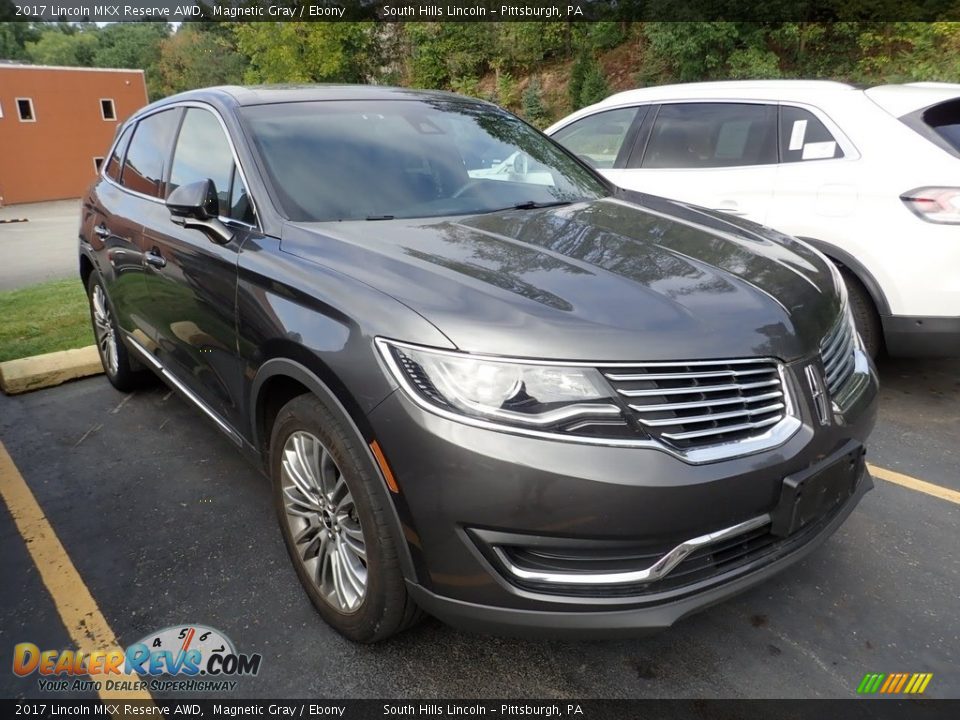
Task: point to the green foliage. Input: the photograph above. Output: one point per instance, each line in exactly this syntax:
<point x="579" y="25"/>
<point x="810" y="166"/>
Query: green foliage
<point x="534" y="110"/>
<point x="521" y="46"/>
<point x="14" y="37"/>
<point x="466" y="57"/>
<point x="907" y="52"/>
<point x="578" y="72"/>
<point x="753" y="63"/>
<point x="595" y="87"/>
<point x="693" y="51"/>
<point x="133" y="45"/>
<point x="605" y="35"/>
<point x="193" y="58"/>
<point x="587" y="84"/>
<point x="469" y="86"/>
<point x="438" y="53"/>
<point x="507" y="92"/>
<point x="290" y="52"/>
<point x="54" y="47"/>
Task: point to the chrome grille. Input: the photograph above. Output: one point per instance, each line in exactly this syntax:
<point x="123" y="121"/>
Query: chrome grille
<point x="693" y="404"/>
<point x="836" y="352"/>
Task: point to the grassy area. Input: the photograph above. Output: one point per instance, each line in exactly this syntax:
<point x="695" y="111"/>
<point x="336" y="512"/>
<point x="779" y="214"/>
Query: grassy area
<point x="44" y="318"/>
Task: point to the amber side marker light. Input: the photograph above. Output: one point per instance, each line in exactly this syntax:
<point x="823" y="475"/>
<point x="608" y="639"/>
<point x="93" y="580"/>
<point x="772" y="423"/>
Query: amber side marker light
<point x="384" y="467"/>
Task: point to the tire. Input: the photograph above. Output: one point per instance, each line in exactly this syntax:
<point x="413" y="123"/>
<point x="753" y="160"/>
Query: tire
<point x="864" y="313"/>
<point x="121" y="369"/>
<point x="316" y="469"/>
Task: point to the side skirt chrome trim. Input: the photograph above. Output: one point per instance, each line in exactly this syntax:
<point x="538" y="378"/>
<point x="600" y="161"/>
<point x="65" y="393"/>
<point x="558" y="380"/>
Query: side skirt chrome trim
<point x="651" y="574"/>
<point x="171" y="379"/>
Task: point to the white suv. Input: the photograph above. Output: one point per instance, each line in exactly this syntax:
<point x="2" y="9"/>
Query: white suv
<point x="871" y="178"/>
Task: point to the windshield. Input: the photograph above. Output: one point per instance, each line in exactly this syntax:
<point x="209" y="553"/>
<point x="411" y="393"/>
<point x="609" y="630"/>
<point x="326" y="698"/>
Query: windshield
<point x="349" y="160"/>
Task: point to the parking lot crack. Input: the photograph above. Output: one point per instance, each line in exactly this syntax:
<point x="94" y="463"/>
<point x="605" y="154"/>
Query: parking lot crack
<point x="88" y="433"/>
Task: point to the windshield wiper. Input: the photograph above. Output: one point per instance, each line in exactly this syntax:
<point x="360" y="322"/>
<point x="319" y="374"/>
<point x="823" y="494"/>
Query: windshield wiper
<point x="532" y="205"/>
<point x="380" y="217"/>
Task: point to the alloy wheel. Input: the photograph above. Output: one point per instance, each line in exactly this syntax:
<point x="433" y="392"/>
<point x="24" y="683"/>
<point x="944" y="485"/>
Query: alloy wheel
<point x="103" y="329"/>
<point x="323" y="521"/>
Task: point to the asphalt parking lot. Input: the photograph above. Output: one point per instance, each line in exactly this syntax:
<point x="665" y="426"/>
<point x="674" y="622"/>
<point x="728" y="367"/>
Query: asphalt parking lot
<point x="42" y="248"/>
<point x="166" y="525"/>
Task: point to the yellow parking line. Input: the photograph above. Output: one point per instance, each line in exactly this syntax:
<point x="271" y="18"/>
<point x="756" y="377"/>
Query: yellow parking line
<point x="919" y="485"/>
<point x="87" y="626"/>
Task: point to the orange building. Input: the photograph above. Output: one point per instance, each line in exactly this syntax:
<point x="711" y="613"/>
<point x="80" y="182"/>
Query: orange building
<point x="56" y="124"/>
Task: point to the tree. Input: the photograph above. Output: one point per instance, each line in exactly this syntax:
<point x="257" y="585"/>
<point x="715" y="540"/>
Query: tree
<point x="595" y="87"/>
<point x="133" y="45"/>
<point x="521" y="46"/>
<point x="577" y="74"/>
<point x="443" y="54"/>
<point x="533" y="108"/>
<point x="192" y="58"/>
<point x="309" y="52"/>
<point x="14" y="37"/>
<point x="55" y="47"/>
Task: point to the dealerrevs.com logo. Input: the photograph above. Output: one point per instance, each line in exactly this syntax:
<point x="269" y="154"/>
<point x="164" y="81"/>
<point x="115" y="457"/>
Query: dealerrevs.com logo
<point x="199" y="657"/>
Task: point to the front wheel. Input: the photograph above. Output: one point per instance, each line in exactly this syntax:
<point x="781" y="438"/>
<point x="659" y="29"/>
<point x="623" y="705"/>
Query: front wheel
<point x="864" y="312"/>
<point x="332" y="515"/>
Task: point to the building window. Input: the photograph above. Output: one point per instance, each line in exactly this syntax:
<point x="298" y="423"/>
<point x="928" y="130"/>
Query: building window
<point x="25" y="110"/>
<point x="1" y="111"/>
<point x="97" y="164"/>
<point x="107" y="110"/>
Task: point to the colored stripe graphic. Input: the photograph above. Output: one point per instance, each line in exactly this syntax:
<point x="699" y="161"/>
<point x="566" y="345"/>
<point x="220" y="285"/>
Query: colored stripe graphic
<point x="870" y="683"/>
<point x="894" y="683"/>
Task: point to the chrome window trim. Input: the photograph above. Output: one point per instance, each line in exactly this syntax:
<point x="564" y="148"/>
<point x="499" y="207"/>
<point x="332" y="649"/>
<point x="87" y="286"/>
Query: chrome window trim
<point x="776" y="436"/>
<point x="657" y="571"/>
<point x="223" y="126"/>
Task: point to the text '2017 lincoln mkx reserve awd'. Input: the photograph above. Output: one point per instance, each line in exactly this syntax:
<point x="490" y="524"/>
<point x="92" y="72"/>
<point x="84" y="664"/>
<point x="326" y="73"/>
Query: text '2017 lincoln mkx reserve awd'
<point x="507" y="394"/>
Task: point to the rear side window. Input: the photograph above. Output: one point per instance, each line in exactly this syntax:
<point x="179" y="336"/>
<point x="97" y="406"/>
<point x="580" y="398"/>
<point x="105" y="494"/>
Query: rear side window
<point x="804" y="137"/>
<point x="202" y="153"/>
<point x="149" y="152"/>
<point x="944" y="120"/>
<point x="116" y="157"/>
<point x="598" y="138"/>
<point x="712" y="135"/>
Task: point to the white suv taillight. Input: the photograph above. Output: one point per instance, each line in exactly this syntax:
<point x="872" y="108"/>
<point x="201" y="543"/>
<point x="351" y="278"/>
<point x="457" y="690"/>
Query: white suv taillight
<point x="934" y="204"/>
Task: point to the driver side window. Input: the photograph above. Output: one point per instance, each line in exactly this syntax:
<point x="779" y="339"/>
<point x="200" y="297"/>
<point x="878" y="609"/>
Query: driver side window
<point x="202" y="151"/>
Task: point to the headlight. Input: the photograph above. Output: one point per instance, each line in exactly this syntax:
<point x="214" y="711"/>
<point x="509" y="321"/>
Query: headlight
<point x="508" y="392"/>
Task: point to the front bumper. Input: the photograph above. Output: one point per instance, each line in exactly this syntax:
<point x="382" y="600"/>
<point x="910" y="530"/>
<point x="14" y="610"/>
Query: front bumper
<point x="605" y="623"/>
<point x="464" y="489"/>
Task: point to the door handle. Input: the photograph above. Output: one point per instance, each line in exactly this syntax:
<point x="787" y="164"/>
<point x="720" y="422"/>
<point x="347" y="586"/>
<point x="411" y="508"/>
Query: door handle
<point x="101" y="230"/>
<point x="152" y="258"/>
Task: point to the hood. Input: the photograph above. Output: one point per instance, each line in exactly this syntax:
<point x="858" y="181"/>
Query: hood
<point x="608" y="280"/>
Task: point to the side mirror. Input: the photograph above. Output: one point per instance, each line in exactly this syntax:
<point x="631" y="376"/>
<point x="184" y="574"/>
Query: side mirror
<point x="197" y="206"/>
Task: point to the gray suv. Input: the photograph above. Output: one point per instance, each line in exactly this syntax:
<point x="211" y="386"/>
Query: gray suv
<point x="484" y="382"/>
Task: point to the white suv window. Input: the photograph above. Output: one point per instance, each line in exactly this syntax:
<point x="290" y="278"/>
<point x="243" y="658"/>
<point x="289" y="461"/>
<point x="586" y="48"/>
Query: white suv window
<point x="712" y="135"/>
<point x="598" y="138"/>
<point x="804" y="137"/>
